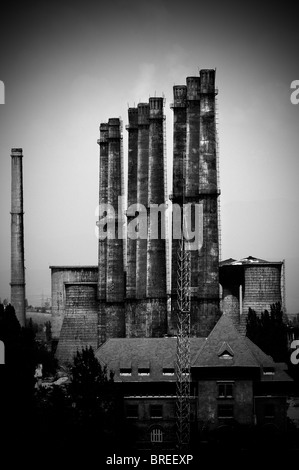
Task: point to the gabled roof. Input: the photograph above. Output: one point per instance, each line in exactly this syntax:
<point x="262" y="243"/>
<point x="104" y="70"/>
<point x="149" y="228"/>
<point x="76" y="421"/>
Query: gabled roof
<point x="224" y="347"/>
<point x="225" y="336"/>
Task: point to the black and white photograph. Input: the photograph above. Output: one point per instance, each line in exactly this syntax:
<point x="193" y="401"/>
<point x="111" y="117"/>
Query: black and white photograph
<point x="149" y="258"/>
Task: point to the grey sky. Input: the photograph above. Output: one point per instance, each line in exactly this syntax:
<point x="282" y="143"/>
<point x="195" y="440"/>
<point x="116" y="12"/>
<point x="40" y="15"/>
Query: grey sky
<point x="67" y="66"/>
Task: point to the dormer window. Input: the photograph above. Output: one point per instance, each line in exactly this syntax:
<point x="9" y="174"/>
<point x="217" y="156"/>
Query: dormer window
<point x="125" y="368"/>
<point x="225" y="351"/>
<point x="225" y="355"/>
<point x="143" y="371"/>
<point x="125" y="371"/>
<point x="168" y="371"/>
<point x="268" y="370"/>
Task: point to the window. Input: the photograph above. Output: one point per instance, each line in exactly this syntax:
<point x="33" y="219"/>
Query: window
<point x="132" y="411"/>
<point x="269" y="411"/>
<point x="143" y="371"/>
<point x="156" y="411"/>
<point x="225" y="355"/>
<point x="268" y="371"/>
<point x="125" y="371"/>
<point x="156" y="435"/>
<point x="168" y="371"/>
<point x="225" y="390"/>
<point x="225" y="411"/>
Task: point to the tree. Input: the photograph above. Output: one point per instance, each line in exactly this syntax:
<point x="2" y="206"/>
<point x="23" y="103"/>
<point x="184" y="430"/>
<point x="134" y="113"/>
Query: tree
<point x="269" y="332"/>
<point x="95" y="400"/>
<point x="90" y="384"/>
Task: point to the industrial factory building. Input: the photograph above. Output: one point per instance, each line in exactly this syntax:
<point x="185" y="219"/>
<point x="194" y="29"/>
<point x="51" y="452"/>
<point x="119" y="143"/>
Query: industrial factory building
<point x="132" y="291"/>
<point x="126" y="306"/>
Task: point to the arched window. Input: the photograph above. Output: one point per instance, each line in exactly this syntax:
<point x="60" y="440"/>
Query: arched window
<point x="156" y="435"/>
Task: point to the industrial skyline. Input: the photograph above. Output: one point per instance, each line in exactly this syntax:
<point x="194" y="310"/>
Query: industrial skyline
<point x="67" y="69"/>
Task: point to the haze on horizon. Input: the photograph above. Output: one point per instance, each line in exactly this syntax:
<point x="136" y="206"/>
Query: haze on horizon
<point x="68" y="66"/>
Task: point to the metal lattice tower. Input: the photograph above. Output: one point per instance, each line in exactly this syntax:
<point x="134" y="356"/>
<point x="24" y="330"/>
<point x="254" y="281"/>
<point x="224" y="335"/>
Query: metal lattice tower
<point x="183" y="348"/>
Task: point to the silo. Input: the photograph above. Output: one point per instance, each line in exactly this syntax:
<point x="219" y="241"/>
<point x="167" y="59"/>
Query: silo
<point x="262" y="285"/>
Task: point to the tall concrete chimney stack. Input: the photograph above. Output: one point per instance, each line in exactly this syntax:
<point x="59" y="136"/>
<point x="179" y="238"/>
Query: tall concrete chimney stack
<point x="17" y="237"/>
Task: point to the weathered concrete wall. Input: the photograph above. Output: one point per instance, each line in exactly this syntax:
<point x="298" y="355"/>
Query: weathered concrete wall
<point x="231" y="303"/>
<point x="208" y="401"/>
<point x="200" y="188"/>
<point x="192" y="143"/>
<point x="142" y="194"/>
<point x="279" y="417"/>
<point x="146" y="318"/>
<point x="103" y="199"/>
<point x="262" y="287"/>
<point x="204" y="315"/>
<point x="156" y="256"/>
<point x="132" y="199"/>
<point x="139" y="428"/>
<point x="60" y="276"/>
<point x="179" y="107"/>
<point x="79" y="327"/>
<point x="115" y="288"/>
<point x="17" y="283"/>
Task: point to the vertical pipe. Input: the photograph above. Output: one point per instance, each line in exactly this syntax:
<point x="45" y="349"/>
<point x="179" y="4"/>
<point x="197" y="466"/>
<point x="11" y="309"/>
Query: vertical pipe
<point x="132" y="129"/>
<point x="179" y="107"/>
<point x="192" y="158"/>
<point x="192" y="151"/>
<point x="208" y="260"/>
<point x="114" y="307"/>
<point x="142" y="196"/>
<point x="17" y="236"/>
<point x="115" y="275"/>
<point x="103" y="198"/>
<point x="102" y="243"/>
<point x="156" y="268"/>
<point x="156" y="247"/>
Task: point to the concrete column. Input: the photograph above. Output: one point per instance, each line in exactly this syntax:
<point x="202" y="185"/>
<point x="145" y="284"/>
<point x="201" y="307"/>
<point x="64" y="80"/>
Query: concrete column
<point x="103" y="198"/>
<point x="132" y="128"/>
<point x="142" y="194"/>
<point x="112" y="312"/>
<point x="179" y="107"/>
<point x="156" y="260"/>
<point x="17" y="237"/>
<point x="207" y="311"/>
<point x="192" y="151"/>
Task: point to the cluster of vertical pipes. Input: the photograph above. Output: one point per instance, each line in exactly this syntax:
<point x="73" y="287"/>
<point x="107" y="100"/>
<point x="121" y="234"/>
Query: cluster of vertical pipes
<point x="111" y="285"/>
<point x="195" y="182"/>
<point x="135" y="305"/>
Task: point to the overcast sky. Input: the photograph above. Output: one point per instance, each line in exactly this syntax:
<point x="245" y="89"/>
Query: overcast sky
<point x="68" y="66"/>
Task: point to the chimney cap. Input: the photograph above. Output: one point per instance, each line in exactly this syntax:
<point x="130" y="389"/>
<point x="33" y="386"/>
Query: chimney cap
<point x="16" y="152"/>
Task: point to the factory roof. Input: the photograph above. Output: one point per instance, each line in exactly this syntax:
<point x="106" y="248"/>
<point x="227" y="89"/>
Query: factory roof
<point x="250" y="260"/>
<point x="147" y="359"/>
<point x="153" y="359"/>
<point x="74" y="267"/>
